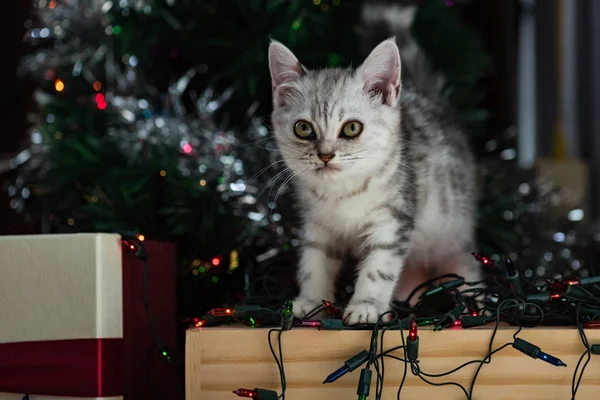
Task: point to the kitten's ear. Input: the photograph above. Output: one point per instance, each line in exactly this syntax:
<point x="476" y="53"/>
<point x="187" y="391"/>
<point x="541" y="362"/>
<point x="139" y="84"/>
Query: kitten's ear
<point x="285" y="71"/>
<point x="381" y="72"/>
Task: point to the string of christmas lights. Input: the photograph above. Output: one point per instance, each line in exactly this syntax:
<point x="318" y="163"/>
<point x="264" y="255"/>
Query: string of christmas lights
<point x="134" y="245"/>
<point x="508" y="297"/>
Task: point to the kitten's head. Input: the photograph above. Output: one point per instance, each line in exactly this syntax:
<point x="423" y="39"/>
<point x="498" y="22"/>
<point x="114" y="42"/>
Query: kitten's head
<point x="336" y="124"/>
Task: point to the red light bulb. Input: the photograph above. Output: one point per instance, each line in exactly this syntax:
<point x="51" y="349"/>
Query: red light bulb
<point x="458" y="323"/>
<point x="474" y="313"/>
<point x="594" y="324"/>
<point x="199" y="323"/>
<point x="130" y="245"/>
<point x="222" y="312"/>
<point x="216" y="261"/>
<point x="556" y="286"/>
<point x="331" y="308"/>
<point x="412" y="331"/>
<point x="309" y="324"/>
<point x="484" y="260"/>
<point x="252" y="394"/>
<point x="554" y="296"/>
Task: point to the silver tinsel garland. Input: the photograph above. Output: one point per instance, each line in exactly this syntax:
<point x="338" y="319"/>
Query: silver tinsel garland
<point x="75" y="35"/>
<point x="552" y="235"/>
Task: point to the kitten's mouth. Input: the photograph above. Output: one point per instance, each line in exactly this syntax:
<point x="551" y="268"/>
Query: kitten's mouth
<point x="327" y="169"/>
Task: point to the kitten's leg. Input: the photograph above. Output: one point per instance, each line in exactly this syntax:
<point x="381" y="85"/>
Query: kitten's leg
<point x="318" y="269"/>
<point x="412" y="276"/>
<point x="383" y="260"/>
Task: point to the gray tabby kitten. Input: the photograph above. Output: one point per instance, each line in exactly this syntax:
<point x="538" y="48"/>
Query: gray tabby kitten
<point x="382" y="172"/>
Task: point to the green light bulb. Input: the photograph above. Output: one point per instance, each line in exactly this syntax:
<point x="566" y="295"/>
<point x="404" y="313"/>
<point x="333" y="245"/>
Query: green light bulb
<point x="297" y="24"/>
<point x="287" y="309"/>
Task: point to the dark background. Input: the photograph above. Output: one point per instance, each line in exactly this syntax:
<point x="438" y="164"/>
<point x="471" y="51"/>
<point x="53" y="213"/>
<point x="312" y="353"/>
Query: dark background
<point x="495" y="19"/>
<point x="15" y="101"/>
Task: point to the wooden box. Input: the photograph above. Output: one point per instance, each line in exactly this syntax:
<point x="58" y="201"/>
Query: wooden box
<point x="222" y="359"/>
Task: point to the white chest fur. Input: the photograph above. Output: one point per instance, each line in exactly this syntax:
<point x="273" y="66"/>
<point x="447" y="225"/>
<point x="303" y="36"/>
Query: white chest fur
<point x="345" y="210"/>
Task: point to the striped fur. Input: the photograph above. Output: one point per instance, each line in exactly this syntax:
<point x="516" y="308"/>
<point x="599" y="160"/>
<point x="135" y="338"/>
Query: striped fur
<point x="400" y="197"/>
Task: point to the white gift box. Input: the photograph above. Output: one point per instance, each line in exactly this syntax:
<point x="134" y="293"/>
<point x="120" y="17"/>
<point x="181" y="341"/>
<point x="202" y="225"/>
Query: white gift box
<point x="59" y="289"/>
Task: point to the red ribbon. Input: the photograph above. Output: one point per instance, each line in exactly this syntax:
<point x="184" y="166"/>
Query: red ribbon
<point x="77" y="368"/>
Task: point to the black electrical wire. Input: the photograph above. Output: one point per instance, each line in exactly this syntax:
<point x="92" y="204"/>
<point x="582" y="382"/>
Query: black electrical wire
<point x="488" y="358"/>
<point x="279" y="361"/>
<point x="379" y="387"/>
<point x="415" y="371"/>
<point x="588" y="352"/>
<point x="461" y="366"/>
<point x="427" y="283"/>
<point x="500" y="304"/>
<point x="405" y="364"/>
<point x="140" y="252"/>
<point x="314" y="311"/>
<point x="374" y="359"/>
<point x="415" y="368"/>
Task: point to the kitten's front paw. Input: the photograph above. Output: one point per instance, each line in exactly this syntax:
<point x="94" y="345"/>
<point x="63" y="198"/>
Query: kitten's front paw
<point x="303" y="306"/>
<point x="363" y="313"/>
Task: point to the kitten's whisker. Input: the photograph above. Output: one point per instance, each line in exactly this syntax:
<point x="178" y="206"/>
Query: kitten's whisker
<point x="375" y="148"/>
<point x="285" y="180"/>
<point x="263" y="170"/>
<point x="256" y="141"/>
<point x="403" y="166"/>
<point x="273" y="180"/>
<point x="412" y="142"/>
<point x="284" y="184"/>
<point x="368" y="149"/>
<point x="271" y="150"/>
<point x="361" y="151"/>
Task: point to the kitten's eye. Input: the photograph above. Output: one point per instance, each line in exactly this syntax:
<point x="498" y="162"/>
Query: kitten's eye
<point x="304" y="130"/>
<point x="352" y="129"/>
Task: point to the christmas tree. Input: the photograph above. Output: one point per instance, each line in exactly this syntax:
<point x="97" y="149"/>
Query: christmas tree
<point x="153" y="118"/>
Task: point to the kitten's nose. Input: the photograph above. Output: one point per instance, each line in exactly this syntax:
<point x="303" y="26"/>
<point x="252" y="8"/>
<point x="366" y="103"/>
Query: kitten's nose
<point x="326" y="157"/>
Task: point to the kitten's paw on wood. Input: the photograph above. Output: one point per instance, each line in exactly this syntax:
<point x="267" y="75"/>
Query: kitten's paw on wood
<point x="303" y="306"/>
<point x="362" y="313"/>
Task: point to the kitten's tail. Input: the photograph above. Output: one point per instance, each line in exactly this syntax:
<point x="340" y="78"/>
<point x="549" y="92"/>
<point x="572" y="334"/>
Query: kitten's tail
<point x="382" y="19"/>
